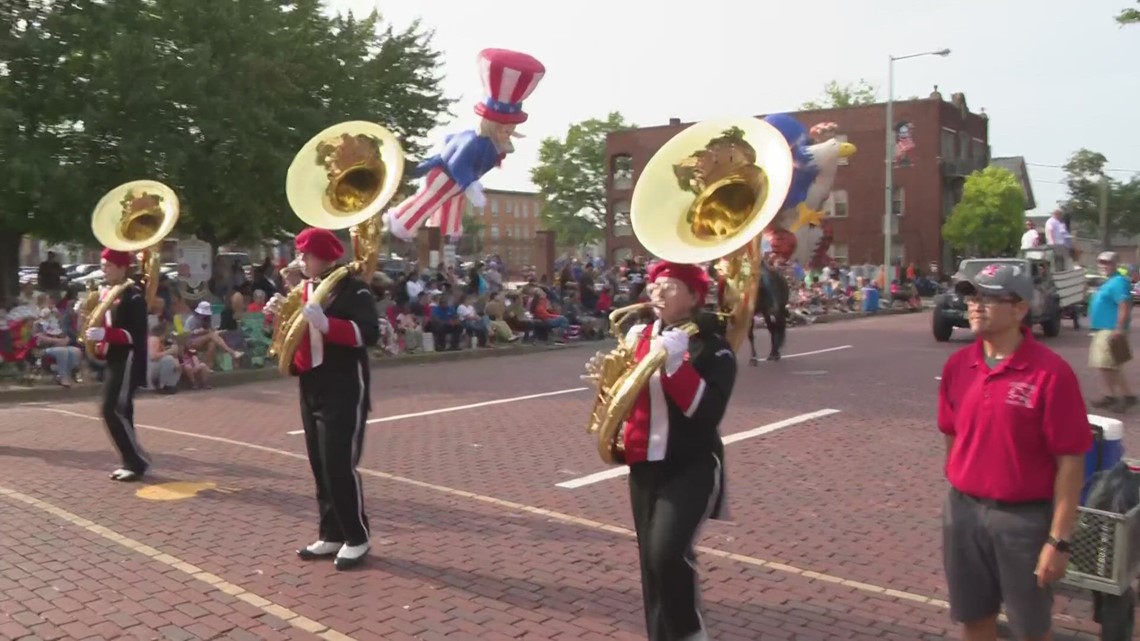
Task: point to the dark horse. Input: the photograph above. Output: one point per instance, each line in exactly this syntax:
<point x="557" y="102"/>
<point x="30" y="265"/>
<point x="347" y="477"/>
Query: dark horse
<point x="772" y="303"/>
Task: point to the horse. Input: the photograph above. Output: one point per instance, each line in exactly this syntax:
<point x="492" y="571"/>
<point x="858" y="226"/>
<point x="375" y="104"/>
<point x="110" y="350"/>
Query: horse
<point x="772" y="303"/>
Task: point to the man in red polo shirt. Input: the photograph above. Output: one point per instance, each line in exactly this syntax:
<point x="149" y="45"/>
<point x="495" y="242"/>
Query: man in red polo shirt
<point x="1016" y="434"/>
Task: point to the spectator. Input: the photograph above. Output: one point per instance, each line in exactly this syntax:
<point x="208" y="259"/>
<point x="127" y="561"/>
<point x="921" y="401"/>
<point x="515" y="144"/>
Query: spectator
<point x="162" y="372"/>
<point x="1110" y="316"/>
<point x="446" y="326"/>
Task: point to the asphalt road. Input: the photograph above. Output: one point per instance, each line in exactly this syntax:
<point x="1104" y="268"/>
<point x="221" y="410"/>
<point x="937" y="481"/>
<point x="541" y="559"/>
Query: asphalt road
<point x="492" y="516"/>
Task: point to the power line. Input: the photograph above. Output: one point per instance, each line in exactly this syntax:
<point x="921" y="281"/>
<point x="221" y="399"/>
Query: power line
<point x="1112" y="170"/>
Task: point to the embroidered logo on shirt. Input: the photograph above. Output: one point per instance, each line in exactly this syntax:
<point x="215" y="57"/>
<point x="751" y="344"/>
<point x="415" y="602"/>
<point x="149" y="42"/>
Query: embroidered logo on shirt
<point x="1021" y="394"/>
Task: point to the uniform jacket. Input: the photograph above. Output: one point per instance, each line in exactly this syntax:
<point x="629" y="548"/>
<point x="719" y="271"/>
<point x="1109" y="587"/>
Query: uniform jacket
<point x="340" y="356"/>
<point x="125" y="325"/>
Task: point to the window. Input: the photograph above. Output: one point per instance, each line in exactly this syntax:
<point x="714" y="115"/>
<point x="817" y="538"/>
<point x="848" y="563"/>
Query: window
<point x="622" y="255"/>
<point x="836" y="205"/>
<point x="495" y="231"/>
<point x="898" y="203"/>
<point x="839" y="253"/>
<point x="621" y="171"/>
<point x="494" y="206"/>
<point x="842" y="138"/>
<point x="948" y="142"/>
<point x="621" y="212"/>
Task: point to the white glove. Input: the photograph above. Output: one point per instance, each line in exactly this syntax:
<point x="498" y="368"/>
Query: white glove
<point x="676" y="344"/>
<point x="316" y="317"/>
<point x="273" y="307"/>
<point x="95" y="334"/>
<point x="474" y="193"/>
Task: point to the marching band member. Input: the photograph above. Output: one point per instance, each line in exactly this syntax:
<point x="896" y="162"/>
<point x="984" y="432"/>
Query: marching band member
<point x="331" y="363"/>
<point x="121" y="341"/>
<point x="674" y="450"/>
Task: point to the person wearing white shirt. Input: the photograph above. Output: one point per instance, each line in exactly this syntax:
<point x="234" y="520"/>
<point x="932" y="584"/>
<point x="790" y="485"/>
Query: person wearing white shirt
<point x="472" y="321"/>
<point x="1055" y="231"/>
<point x="414" y="287"/>
<point x="1031" y="238"/>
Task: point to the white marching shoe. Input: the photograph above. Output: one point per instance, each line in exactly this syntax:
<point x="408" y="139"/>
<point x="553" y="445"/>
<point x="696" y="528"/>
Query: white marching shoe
<point x="124" y="475"/>
<point x="319" y="550"/>
<point x="350" y="556"/>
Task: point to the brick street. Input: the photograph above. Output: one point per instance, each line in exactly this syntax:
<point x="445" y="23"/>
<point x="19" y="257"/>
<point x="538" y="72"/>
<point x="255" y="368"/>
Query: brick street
<point x="834" y="532"/>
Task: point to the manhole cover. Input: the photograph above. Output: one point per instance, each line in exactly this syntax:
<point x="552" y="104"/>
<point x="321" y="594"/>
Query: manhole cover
<point x="811" y="372"/>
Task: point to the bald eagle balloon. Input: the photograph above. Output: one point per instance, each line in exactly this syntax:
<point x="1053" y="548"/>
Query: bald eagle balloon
<point x="800" y="231"/>
<point x="451" y="176"/>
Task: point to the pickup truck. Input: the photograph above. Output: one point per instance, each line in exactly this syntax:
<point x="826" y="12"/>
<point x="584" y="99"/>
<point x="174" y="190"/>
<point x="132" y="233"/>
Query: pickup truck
<point x="1060" y="290"/>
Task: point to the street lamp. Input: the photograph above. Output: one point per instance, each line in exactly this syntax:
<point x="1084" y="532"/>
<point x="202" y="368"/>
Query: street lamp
<point x="890" y="157"/>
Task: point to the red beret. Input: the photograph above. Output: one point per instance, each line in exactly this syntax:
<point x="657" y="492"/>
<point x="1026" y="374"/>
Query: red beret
<point x="116" y="257"/>
<point x="696" y="278"/>
<point x="321" y="243"/>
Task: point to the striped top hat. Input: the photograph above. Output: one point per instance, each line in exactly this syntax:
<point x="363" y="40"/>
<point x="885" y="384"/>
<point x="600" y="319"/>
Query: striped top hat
<point x="508" y="78"/>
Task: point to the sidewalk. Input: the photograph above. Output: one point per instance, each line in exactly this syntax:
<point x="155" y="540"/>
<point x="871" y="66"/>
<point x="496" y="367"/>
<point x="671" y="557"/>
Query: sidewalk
<point x="13" y="392"/>
<point x="40" y="391"/>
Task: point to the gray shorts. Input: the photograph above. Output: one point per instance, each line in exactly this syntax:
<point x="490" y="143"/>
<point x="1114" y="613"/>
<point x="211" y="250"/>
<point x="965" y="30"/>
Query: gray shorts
<point x="989" y="553"/>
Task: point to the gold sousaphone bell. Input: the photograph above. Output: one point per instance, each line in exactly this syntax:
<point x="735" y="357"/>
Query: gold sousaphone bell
<point x="133" y="217"/>
<point x="705" y="196"/>
<point x="341" y="178"/>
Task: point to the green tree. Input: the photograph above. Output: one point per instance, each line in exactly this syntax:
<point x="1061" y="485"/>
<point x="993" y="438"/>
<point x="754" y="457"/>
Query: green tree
<point x="1084" y="175"/>
<point x="1129" y="16"/>
<point x="839" y="96"/>
<point x="571" y="178"/>
<point x="213" y="99"/>
<point x="470" y="242"/>
<point x="990" y="218"/>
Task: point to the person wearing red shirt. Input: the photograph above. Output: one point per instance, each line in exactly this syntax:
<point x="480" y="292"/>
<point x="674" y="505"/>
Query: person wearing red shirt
<point x="331" y="363"/>
<point x="673" y="447"/>
<point x="1016" y="434"/>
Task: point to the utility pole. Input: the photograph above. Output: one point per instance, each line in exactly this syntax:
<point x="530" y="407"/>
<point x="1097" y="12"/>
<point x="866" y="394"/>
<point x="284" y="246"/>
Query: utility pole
<point x="1106" y="234"/>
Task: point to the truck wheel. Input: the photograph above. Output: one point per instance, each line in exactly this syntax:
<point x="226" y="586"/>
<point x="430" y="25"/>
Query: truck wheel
<point x="942" y="328"/>
<point x="1052" y="327"/>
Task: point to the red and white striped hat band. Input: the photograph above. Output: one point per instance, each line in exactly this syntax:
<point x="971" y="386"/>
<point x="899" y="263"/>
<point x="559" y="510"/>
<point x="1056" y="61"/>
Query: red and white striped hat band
<point x="508" y="77"/>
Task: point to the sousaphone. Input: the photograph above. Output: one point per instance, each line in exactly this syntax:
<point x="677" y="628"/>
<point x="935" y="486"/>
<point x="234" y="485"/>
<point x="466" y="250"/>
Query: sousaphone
<point x="133" y="217"/>
<point x="705" y="196"/>
<point x="341" y="178"/>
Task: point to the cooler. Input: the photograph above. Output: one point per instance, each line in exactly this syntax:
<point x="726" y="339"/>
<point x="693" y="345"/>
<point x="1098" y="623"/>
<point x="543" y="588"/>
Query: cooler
<point x="1107" y="448"/>
<point x="870" y="299"/>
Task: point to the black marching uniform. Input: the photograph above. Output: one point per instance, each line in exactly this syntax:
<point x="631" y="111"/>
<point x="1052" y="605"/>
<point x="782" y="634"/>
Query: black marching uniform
<point x="124" y="349"/>
<point x="676" y="480"/>
<point x="334" y="376"/>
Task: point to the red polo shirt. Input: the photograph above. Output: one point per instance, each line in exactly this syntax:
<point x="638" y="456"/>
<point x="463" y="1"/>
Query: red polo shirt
<point x="1009" y="424"/>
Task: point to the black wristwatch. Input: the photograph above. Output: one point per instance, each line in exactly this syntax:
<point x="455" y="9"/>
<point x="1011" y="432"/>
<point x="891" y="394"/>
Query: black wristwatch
<point x="1062" y="546"/>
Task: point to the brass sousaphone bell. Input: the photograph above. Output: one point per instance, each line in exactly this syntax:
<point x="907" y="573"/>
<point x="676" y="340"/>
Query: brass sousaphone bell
<point x="133" y="217"/>
<point x="341" y="178"/>
<point x="706" y="195"/>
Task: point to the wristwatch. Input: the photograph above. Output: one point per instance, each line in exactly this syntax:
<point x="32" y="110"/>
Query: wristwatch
<point x="1061" y="545"/>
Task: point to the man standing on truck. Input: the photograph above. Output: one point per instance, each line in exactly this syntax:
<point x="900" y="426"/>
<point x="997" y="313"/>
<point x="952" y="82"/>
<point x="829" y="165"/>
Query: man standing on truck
<point x="1110" y="315"/>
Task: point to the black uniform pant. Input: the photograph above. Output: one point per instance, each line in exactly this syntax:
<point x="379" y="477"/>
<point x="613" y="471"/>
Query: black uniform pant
<point x="333" y="411"/>
<point x="669" y="505"/>
<point x="119" y="414"/>
<point x="777" y="323"/>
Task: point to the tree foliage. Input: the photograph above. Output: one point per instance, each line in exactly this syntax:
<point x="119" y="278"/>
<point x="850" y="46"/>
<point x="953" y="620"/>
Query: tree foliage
<point x="1084" y="174"/>
<point x="571" y="178"/>
<point x="839" y="96"/>
<point x="1129" y="16"/>
<point x="990" y="218"/>
<point x="212" y="98"/>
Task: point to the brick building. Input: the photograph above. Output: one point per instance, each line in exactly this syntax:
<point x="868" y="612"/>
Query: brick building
<point x="510" y="224"/>
<point x="949" y="143"/>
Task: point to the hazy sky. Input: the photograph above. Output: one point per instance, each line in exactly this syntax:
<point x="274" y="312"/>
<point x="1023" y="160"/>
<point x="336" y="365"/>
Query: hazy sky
<point x="1053" y="75"/>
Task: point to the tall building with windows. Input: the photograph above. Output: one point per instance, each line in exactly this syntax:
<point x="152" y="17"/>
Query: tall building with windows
<point x="940" y="142"/>
<point x="507" y="225"/>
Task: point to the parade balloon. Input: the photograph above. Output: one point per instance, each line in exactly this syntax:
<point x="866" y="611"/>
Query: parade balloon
<point x="451" y="176"/>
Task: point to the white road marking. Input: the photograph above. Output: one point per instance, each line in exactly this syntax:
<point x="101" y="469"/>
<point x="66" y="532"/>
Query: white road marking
<point x="457" y="408"/>
<point x="818" y="351"/>
<point x="616" y="472"/>
<point x="937" y="378"/>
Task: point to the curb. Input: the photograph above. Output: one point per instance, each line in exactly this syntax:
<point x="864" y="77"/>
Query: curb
<point x="823" y="320"/>
<point x="45" y="393"/>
